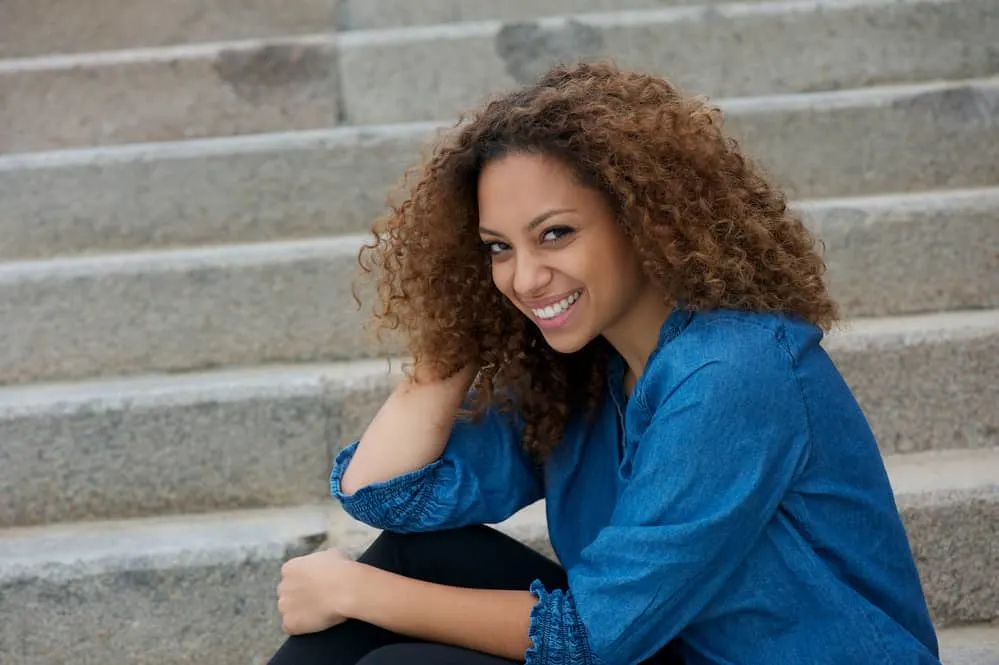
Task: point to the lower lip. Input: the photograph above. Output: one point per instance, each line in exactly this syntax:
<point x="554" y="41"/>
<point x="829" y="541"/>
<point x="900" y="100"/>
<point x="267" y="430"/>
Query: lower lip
<point x="559" y="321"/>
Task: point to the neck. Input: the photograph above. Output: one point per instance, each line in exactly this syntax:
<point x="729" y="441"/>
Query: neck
<point x="636" y="334"/>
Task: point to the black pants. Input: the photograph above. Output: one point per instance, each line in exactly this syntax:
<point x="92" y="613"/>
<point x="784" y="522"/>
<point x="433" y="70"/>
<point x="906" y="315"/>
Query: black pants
<point x="475" y="557"/>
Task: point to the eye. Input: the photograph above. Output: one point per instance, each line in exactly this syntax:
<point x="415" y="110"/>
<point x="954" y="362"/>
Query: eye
<point x="556" y="233"/>
<point x="494" y="247"/>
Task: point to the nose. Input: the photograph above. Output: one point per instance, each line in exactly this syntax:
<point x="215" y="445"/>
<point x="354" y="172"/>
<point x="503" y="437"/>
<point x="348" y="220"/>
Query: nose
<point x="531" y="276"/>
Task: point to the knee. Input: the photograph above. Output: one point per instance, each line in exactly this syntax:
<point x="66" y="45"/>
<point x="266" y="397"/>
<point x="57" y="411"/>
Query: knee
<point x="390" y="550"/>
<point x="434" y="538"/>
<point x="296" y="650"/>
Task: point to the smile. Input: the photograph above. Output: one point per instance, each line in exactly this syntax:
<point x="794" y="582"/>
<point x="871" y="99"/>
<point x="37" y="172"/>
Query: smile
<point x="555" y="314"/>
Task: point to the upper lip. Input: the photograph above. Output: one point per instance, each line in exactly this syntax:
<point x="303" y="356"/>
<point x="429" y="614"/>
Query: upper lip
<point x="541" y="304"/>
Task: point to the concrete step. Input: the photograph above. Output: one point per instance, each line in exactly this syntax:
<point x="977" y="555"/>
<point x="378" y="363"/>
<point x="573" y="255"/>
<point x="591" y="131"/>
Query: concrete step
<point x="949" y="501"/>
<point x="255" y="437"/>
<point x="924" y="380"/>
<point x="931" y="251"/>
<point x="170" y="591"/>
<point x="175" y="591"/>
<point x="373" y="14"/>
<point x="301" y="184"/>
<point x="171" y="444"/>
<point x="268" y="85"/>
<point x="76" y="318"/>
<point x="722" y="49"/>
<point x="179" y="310"/>
<point x="40" y="27"/>
<point x="976" y="644"/>
<point x="162" y="94"/>
<point x="292" y="301"/>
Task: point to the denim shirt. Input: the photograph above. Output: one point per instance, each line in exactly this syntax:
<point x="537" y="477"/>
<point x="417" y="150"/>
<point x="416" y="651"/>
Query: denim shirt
<point x="736" y="505"/>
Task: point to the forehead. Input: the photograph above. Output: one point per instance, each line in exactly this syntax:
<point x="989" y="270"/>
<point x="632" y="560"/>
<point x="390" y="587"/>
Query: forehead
<point x="514" y="189"/>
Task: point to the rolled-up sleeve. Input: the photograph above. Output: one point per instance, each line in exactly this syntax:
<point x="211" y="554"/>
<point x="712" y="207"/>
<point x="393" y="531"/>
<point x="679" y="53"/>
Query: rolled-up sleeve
<point x="721" y="450"/>
<point x="483" y="476"/>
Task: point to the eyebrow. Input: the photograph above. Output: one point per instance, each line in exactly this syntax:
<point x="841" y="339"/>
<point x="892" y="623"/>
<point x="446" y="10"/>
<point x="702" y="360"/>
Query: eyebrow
<point x="535" y="223"/>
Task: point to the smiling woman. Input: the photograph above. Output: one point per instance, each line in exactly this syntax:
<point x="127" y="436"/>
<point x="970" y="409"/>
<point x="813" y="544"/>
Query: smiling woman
<point x="609" y="307"/>
<point x="569" y="269"/>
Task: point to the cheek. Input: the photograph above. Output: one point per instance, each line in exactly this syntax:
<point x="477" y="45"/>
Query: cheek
<point x="617" y="272"/>
<point x="626" y="261"/>
<point x="503" y="277"/>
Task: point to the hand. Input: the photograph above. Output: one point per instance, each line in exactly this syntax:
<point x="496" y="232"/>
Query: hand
<point x="312" y="591"/>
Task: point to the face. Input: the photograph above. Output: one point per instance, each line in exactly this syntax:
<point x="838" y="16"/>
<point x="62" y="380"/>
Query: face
<point x="557" y="253"/>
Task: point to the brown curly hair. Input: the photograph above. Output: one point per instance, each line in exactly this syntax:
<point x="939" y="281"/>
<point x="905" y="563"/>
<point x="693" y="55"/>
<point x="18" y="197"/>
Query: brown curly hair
<point x="710" y="227"/>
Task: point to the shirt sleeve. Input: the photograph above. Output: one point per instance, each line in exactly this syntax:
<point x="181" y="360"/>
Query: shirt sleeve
<point x="720" y="452"/>
<point x="483" y="476"/>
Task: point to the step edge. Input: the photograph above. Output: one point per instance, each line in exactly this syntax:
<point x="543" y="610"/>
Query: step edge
<point x="154" y="55"/>
<point x="72" y="550"/>
<point x="220" y="385"/>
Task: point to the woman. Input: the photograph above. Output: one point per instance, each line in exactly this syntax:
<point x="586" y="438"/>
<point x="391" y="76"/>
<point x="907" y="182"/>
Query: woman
<point x="633" y="316"/>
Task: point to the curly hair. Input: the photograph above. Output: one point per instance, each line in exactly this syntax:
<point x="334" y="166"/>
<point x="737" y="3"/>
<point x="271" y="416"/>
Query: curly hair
<point x="709" y="226"/>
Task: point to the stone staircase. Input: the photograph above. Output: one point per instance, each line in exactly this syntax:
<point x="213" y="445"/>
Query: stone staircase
<point x="184" y="186"/>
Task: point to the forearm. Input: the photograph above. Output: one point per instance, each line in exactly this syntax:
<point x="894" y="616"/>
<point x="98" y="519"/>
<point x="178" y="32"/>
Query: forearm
<point x="409" y="431"/>
<point x="494" y="622"/>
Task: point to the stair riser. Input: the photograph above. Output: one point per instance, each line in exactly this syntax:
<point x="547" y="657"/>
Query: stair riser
<point x="242" y="88"/>
<point x="224" y="614"/>
<point x="202" y="314"/>
<point x="40" y="27"/>
<point x="925" y="394"/>
<point x="133" y="455"/>
<point x="245" y="190"/>
<point x="192" y="446"/>
<point x="173" y="596"/>
<point x="906" y="139"/>
<point x="910" y="254"/>
<point x="720" y="50"/>
<point x="953" y="537"/>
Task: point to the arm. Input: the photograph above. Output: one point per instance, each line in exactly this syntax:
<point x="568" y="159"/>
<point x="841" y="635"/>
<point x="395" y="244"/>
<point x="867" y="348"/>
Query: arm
<point x="419" y="468"/>
<point x="494" y="622"/>
<point x="709" y="473"/>
<point x="421" y="415"/>
<point x="325" y="588"/>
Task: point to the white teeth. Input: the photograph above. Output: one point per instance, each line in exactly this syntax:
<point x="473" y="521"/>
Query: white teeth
<point x="551" y="311"/>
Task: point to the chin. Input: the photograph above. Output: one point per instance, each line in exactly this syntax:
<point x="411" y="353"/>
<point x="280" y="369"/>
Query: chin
<point x="566" y="344"/>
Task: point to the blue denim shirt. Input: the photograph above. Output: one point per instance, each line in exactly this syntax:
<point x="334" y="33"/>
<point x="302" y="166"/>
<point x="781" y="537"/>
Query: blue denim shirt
<point x="736" y="503"/>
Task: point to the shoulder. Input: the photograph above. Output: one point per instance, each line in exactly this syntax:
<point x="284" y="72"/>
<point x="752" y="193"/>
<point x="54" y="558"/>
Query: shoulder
<point x="729" y="353"/>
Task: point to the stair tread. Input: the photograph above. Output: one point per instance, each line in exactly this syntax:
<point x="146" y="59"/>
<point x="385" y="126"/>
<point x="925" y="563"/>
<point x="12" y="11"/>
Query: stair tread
<point x="944" y="470"/>
<point x="976" y="644"/>
<point x="147" y="542"/>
